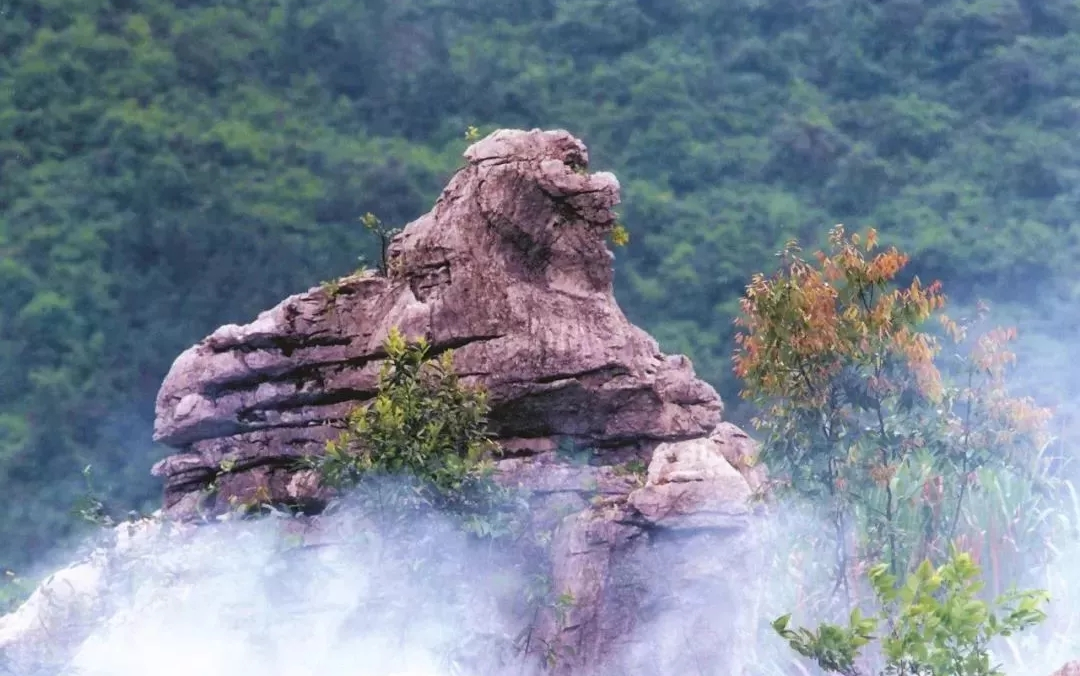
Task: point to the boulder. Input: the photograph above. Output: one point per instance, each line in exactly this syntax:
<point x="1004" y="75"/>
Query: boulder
<point x="642" y="569"/>
<point x="692" y="485"/>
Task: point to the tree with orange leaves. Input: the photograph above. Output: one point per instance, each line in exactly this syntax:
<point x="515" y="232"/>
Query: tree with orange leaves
<point x="855" y="413"/>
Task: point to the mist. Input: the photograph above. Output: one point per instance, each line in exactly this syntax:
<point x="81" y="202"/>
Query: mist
<point x="277" y="596"/>
<point x="404" y="595"/>
<point x="343" y="594"/>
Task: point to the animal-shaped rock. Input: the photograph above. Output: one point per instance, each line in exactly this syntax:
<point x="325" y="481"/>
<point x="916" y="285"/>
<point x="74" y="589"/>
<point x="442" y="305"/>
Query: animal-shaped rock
<point x="510" y="269"/>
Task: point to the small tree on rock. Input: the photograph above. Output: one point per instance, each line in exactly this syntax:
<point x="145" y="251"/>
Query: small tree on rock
<point x="421" y="445"/>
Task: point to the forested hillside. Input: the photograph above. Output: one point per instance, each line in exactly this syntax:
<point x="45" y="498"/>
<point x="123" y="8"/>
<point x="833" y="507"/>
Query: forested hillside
<point x="169" y="166"/>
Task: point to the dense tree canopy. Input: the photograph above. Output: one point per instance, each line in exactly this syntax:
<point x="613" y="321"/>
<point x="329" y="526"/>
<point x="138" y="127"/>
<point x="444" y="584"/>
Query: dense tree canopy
<point x="166" y="166"/>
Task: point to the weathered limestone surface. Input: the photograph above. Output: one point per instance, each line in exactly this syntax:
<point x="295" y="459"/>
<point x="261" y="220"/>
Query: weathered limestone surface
<point x="510" y="270"/>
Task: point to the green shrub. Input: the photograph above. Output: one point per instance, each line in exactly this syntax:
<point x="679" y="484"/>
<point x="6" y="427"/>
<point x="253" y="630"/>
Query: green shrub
<point x="422" y="445"/>
<point x="935" y="625"/>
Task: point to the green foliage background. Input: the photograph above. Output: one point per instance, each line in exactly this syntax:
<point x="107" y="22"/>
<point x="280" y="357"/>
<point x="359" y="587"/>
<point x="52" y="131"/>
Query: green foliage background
<point x="167" y="166"/>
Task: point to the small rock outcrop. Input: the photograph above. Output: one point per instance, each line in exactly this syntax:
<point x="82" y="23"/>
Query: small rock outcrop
<point x="511" y="271"/>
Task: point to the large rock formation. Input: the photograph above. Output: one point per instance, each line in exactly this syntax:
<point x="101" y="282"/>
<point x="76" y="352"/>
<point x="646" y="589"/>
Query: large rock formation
<point x="511" y="271"/>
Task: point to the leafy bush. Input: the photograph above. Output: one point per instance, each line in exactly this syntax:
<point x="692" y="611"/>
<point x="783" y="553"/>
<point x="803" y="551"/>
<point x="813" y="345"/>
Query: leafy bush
<point x="856" y="413"/>
<point x="421" y="445"/>
<point x="908" y="459"/>
<point x="935" y="624"/>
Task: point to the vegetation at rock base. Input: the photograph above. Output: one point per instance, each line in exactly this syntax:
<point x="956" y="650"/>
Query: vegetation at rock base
<point x="421" y="445"/>
<point x="935" y="624"/>
<point x="896" y="453"/>
<point x="168" y="167"/>
<point x="14" y="590"/>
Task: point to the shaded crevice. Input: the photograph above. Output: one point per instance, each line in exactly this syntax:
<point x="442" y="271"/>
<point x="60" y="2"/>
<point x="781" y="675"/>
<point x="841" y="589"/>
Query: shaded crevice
<point x="311" y="372"/>
<point x="458" y="343"/>
<point x="330" y="398"/>
<point x="283" y="344"/>
<point x="254" y="424"/>
<point x="242" y="466"/>
<point x="607" y="370"/>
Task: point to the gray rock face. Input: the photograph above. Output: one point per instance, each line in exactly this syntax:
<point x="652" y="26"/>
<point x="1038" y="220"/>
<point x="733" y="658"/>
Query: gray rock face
<point x="510" y="270"/>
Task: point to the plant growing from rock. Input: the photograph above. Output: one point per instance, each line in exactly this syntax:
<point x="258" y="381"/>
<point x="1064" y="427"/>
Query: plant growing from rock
<point x="934" y="624"/>
<point x="422" y="445"/>
<point x="372" y="224"/>
<point x="620" y="236"/>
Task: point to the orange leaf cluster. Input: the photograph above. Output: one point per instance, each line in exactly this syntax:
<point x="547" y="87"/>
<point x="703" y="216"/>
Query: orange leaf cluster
<point x="991" y="355"/>
<point x="803" y="325"/>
